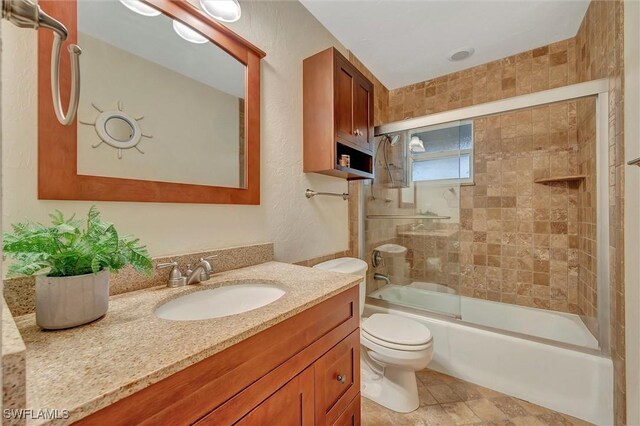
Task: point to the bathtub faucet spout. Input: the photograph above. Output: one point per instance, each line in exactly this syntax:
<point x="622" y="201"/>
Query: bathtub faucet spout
<point x="381" y="277"/>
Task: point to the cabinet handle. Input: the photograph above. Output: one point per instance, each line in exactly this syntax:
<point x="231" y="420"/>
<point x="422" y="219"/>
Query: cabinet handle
<point x="341" y="379"/>
<point x="356" y="132"/>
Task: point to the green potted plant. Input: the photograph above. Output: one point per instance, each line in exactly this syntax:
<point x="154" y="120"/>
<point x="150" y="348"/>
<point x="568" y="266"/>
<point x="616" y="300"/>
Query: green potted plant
<point x="72" y="263"/>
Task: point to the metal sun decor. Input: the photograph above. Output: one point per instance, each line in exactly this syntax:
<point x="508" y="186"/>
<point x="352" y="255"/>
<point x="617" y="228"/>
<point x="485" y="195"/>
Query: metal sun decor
<point x="117" y="129"/>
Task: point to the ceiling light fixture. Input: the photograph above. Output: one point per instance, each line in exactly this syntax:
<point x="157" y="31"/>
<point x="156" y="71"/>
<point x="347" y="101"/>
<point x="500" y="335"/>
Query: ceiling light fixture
<point x="188" y="33"/>
<point x="140" y="8"/>
<point x="222" y="10"/>
<point x="460" y="54"/>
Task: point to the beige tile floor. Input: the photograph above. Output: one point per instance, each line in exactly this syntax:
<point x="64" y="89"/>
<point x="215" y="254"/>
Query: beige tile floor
<point x="447" y="401"/>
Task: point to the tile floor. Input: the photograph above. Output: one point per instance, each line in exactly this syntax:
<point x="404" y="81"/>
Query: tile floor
<point x="447" y="401"/>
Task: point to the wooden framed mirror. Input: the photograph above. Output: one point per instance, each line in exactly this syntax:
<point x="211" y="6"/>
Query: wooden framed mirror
<point x="169" y="107"/>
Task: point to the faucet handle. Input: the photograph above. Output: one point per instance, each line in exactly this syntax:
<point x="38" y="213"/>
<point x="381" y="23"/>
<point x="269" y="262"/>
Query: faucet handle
<point x="175" y="277"/>
<point x="167" y="265"/>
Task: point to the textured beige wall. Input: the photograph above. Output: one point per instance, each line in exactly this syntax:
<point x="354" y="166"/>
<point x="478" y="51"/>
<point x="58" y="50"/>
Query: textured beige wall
<point x="300" y="228"/>
<point x="194" y="126"/>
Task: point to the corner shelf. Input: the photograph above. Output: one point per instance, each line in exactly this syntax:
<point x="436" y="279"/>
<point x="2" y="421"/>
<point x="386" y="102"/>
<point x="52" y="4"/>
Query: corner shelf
<point x="573" y="178"/>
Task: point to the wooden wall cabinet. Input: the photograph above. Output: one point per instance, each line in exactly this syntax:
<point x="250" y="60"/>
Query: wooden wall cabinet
<point x="338" y="116"/>
<point x="302" y="371"/>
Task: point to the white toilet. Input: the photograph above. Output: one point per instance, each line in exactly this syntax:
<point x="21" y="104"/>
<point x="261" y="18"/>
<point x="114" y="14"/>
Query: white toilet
<point x="393" y="348"/>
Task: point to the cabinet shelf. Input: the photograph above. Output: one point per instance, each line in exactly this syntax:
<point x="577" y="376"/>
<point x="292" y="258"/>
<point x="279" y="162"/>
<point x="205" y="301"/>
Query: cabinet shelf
<point x="353" y="174"/>
<point x="572" y="178"/>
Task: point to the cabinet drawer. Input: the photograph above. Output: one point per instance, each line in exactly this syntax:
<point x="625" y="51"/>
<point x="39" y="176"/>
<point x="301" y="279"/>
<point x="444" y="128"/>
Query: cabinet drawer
<point x="350" y="416"/>
<point x="337" y="379"/>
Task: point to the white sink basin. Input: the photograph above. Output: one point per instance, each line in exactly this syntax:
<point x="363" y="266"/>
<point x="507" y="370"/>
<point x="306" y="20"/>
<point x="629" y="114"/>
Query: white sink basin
<point x="220" y="302"/>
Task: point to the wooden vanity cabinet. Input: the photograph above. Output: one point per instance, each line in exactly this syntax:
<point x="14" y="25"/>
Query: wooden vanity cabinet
<point x="302" y="371"/>
<point x="337" y="116"/>
<point x="292" y="404"/>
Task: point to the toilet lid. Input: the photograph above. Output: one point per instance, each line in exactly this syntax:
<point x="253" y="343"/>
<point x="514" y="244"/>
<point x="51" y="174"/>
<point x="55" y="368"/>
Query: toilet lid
<point x="396" y="329"/>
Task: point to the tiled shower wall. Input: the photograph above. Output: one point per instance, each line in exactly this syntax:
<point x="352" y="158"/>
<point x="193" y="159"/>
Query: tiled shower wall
<point x="587" y="207"/>
<point x="519" y="239"/>
<point x="532" y="71"/>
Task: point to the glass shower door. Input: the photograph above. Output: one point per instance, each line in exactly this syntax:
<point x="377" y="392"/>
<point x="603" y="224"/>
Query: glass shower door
<point x="412" y="228"/>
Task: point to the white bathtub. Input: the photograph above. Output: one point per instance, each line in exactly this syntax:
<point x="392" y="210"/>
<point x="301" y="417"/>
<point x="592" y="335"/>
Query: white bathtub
<point x="557" y="326"/>
<point x="510" y="349"/>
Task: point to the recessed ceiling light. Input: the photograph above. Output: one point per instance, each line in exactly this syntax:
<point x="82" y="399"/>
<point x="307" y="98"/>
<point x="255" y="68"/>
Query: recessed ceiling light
<point x="460" y="54"/>
<point x="140" y="8"/>
<point x="222" y="10"/>
<point x="188" y="33"/>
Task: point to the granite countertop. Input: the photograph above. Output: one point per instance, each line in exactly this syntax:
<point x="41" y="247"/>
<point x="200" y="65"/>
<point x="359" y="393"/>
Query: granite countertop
<point x="86" y="368"/>
<point x="13" y="363"/>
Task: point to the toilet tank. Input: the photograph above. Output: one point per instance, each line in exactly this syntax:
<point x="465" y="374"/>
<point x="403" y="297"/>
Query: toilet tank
<point x="349" y="265"/>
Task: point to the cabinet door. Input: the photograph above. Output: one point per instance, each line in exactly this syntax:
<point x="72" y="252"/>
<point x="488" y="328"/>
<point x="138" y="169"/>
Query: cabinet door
<point x="362" y="113"/>
<point x="345" y="81"/>
<point x="337" y="379"/>
<point x="350" y="416"/>
<point x="291" y="405"/>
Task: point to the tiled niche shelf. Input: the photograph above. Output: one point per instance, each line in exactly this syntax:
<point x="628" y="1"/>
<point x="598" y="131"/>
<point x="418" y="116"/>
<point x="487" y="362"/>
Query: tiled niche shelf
<point x="574" y="178"/>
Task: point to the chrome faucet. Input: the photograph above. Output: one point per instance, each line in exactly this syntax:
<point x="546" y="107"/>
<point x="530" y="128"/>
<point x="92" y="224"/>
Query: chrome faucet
<point x="377" y="276"/>
<point x="202" y="272"/>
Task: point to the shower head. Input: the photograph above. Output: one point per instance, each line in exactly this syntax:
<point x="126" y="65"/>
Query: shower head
<point x="392" y="140"/>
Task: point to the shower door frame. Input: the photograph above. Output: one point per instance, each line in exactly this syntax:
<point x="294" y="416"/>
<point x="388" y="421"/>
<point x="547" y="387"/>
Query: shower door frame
<point x="595" y="88"/>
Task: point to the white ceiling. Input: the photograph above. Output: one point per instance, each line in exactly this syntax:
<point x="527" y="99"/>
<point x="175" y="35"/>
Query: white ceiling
<point x="153" y="39"/>
<point x="404" y="42"/>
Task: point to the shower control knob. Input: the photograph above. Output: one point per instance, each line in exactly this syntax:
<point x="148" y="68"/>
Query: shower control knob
<point x="341" y="379"/>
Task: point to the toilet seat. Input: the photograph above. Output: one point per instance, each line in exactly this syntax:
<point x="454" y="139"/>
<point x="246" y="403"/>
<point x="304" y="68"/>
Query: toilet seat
<point x="388" y="345"/>
<point x="396" y="332"/>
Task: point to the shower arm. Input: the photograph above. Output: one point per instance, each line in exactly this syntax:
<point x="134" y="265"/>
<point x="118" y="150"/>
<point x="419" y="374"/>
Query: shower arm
<point x="27" y="14"/>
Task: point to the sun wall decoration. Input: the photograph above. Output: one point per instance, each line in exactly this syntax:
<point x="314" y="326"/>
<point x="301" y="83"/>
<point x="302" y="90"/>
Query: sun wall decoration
<point x="117" y="129"/>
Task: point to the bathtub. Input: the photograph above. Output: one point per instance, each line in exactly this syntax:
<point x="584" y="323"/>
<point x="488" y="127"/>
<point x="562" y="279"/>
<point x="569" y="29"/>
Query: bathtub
<point x="545" y="357"/>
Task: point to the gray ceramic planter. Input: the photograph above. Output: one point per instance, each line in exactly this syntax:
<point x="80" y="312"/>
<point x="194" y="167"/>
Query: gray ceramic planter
<point x="64" y="302"/>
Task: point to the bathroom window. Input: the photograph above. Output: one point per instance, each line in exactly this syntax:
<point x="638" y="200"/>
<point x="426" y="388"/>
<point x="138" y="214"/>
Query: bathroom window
<point x="443" y="152"/>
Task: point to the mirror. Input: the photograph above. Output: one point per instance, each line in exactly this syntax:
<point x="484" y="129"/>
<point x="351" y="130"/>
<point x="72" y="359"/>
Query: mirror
<point x="159" y="101"/>
<point x="169" y="107"/>
<point x="119" y="129"/>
